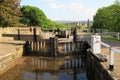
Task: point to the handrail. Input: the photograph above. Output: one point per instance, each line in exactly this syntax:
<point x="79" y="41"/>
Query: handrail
<point x="112" y="49"/>
<point x="116" y="50"/>
<point x="107" y="45"/>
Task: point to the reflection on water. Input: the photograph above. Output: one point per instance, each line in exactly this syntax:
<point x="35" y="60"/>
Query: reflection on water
<point x="49" y="76"/>
<point x="12" y="74"/>
<point x="40" y="68"/>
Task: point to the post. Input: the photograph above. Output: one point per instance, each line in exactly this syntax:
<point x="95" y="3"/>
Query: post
<point x="54" y="46"/>
<point x="65" y="62"/>
<point x="52" y="49"/>
<point x="44" y="63"/>
<point x="18" y="34"/>
<point x="38" y="63"/>
<point x="75" y="35"/>
<point x="76" y="62"/>
<point x="37" y="46"/>
<point x="118" y="34"/>
<point x="34" y="35"/>
<point x="96" y="44"/>
<point x="73" y="63"/>
<point x="69" y="46"/>
<point x="33" y="62"/>
<point x="36" y="75"/>
<point x="111" y="63"/>
<point x="73" y="47"/>
<point x="65" y="47"/>
<point x="69" y="63"/>
<point x="44" y="46"/>
<point x="88" y="23"/>
<point x="41" y="47"/>
<point x="99" y="30"/>
<point x="79" y="61"/>
<point x="31" y="45"/>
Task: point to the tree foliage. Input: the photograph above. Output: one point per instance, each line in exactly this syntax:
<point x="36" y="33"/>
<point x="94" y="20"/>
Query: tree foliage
<point x="9" y="12"/>
<point x="33" y="16"/>
<point x="108" y="17"/>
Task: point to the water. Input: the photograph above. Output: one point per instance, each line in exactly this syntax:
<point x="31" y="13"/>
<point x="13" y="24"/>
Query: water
<point x="49" y="76"/>
<point x="44" y="68"/>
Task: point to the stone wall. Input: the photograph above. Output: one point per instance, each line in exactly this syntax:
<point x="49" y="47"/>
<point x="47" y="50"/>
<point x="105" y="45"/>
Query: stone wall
<point x="95" y="69"/>
<point x="11" y="33"/>
<point x="25" y="33"/>
<point x="6" y="60"/>
<point x="22" y="37"/>
<point x="14" y="30"/>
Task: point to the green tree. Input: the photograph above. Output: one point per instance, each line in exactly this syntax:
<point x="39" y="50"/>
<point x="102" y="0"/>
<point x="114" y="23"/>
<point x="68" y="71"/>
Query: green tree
<point x="108" y="17"/>
<point x="9" y="12"/>
<point x="32" y="16"/>
<point x="117" y="2"/>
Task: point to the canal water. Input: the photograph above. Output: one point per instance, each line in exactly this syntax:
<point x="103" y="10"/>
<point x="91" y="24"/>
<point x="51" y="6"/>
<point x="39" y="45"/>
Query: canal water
<point x="45" y="68"/>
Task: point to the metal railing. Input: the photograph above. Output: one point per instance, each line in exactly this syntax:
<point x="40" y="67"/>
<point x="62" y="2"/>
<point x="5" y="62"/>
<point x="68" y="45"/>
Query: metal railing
<point x="111" y="52"/>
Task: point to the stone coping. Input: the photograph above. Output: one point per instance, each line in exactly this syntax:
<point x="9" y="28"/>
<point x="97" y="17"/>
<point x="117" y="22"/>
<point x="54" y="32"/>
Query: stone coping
<point x="9" y="46"/>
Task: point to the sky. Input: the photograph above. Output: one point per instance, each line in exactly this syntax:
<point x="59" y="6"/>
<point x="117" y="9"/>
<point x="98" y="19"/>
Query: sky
<point x="68" y="10"/>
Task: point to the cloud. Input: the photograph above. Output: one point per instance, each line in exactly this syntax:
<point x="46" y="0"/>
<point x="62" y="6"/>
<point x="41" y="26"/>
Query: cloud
<point x="76" y="9"/>
<point x="55" y="6"/>
<point x="72" y="6"/>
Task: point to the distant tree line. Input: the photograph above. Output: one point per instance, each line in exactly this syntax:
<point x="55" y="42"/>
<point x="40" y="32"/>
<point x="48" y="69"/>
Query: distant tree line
<point x="12" y="14"/>
<point x="108" y="17"/>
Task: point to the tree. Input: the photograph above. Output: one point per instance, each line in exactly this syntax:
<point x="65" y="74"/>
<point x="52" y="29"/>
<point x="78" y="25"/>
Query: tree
<point x="32" y="16"/>
<point x="108" y="17"/>
<point x="9" y="12"/>
<point x="117" y="2"/>
<point x="102" y="19"/>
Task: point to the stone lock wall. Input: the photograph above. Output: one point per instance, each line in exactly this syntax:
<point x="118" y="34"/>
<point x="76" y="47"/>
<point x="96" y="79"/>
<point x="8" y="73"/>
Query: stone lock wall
<point x="95" y="70"/>
<point x="6" y="60"/>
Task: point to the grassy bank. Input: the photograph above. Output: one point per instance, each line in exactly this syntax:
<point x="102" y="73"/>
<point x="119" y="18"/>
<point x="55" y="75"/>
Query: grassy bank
<point x="114" y="38"/>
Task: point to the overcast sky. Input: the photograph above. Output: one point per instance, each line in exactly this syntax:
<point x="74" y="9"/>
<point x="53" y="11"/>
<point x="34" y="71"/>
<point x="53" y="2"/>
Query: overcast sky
<point x="71" y="10"/>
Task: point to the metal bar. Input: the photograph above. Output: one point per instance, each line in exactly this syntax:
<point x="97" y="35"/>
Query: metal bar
<point x="106" y="45"/>
<point x="111" y="63"/>
<point x="116" y="50"/>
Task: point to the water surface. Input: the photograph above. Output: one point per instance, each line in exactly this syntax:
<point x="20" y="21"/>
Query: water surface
<point x="44" y="68"/>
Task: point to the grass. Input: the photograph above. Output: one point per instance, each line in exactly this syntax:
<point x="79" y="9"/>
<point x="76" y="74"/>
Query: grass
<point x="111" y="38"/>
